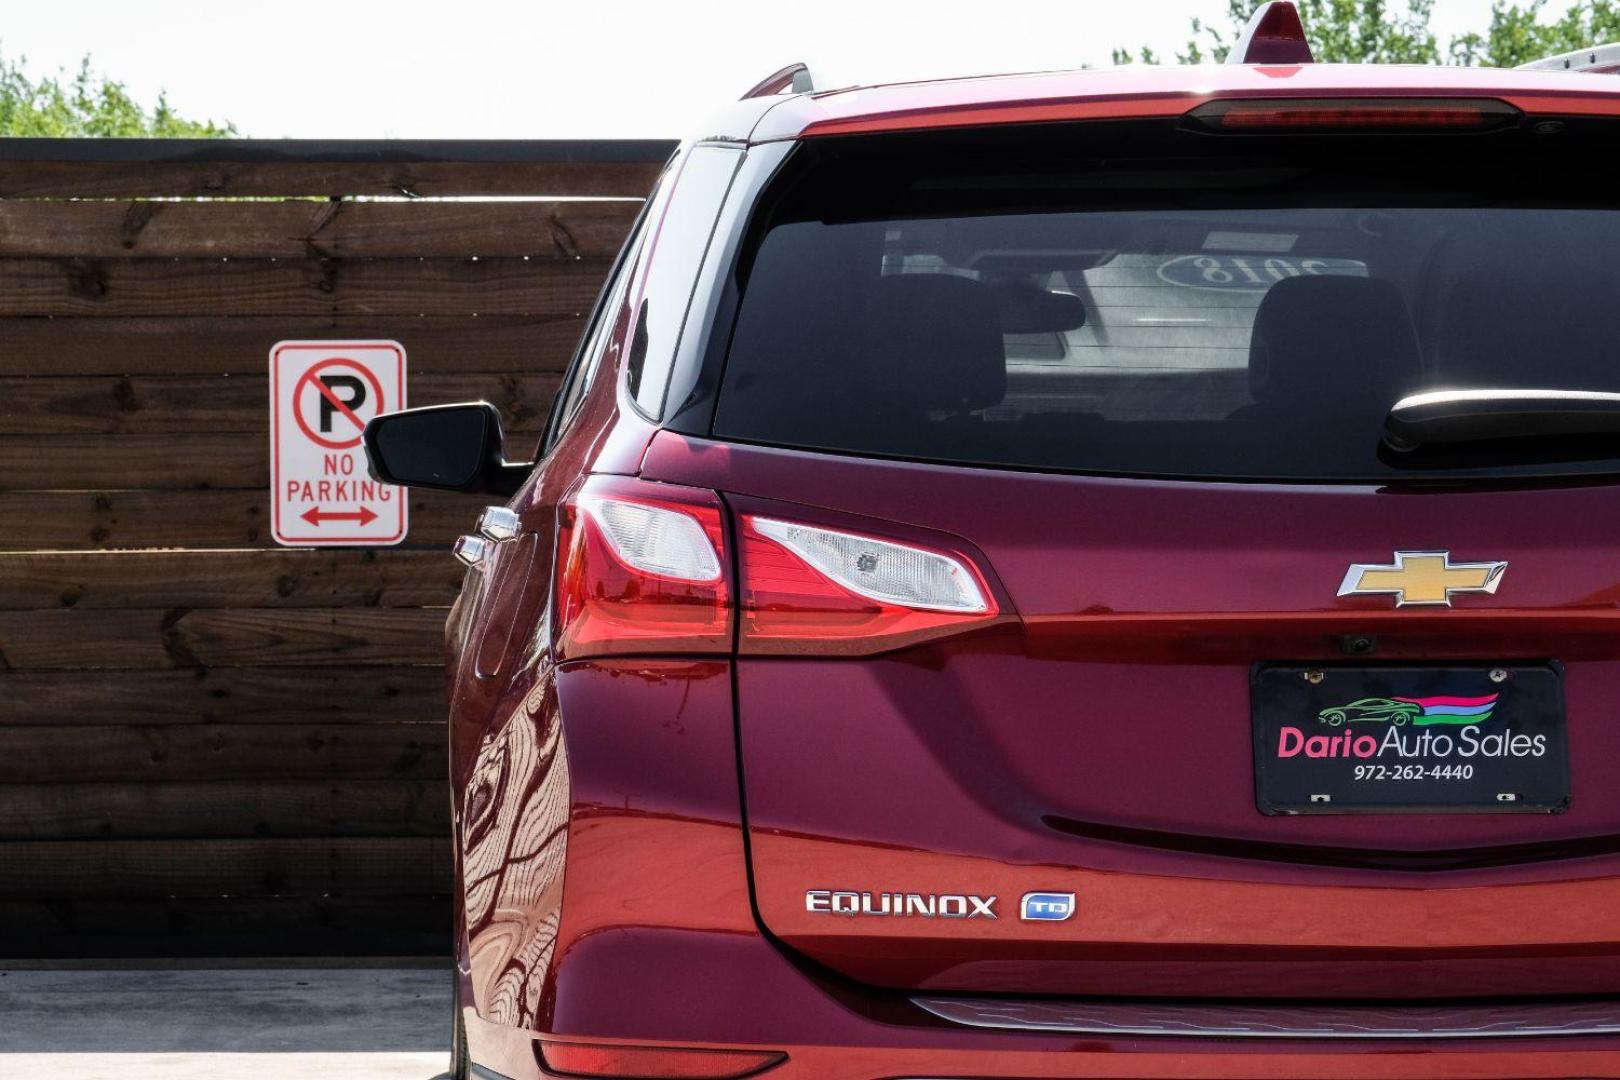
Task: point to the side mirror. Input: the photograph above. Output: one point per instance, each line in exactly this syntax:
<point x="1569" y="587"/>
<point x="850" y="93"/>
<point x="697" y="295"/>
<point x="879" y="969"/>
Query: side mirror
<point x="445" y="447"/>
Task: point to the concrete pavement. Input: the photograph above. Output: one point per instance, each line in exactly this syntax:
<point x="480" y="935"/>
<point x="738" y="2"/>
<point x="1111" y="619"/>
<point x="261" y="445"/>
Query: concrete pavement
<point x="325" y="1023"/>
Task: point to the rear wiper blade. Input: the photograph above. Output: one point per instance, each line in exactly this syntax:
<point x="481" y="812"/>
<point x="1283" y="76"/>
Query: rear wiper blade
<point x="1449" y="417"/>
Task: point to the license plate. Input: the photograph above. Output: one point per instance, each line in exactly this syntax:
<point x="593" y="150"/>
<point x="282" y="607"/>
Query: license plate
<point x="1457" y="739"/>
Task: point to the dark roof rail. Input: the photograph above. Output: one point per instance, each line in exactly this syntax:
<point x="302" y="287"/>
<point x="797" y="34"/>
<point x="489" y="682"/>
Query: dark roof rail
<point x="1595" y="60"/>
<point x="793" y="79"/>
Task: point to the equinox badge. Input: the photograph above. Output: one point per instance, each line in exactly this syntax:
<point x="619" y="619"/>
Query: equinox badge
<point x="1422" y="577"/>
<point x="924" y="905"/>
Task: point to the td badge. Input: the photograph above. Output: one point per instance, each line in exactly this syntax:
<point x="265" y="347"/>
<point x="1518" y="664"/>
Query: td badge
<point x="1046" y="906"/>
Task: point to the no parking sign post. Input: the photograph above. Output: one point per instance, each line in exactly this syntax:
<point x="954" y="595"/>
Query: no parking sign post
<point x="322" y="393"/>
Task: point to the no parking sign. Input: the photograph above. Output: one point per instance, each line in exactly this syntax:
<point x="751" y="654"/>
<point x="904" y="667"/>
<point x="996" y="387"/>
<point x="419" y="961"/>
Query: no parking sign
<point x="321" y="395"/>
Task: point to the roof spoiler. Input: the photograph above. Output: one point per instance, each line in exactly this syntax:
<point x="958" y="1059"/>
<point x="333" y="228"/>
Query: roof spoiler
<point x="793" y="79"/>
<point x="1597" y="60"/>
<point x="1275" y="35"/>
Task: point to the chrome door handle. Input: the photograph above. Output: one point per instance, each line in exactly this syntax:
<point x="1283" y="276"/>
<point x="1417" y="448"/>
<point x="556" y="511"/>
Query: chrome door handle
<point x="499" y="524"/>
<point x="472" y="550"/>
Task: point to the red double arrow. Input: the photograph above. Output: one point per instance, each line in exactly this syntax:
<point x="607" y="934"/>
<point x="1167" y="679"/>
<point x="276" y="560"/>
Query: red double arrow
<point x="315" y="515"/>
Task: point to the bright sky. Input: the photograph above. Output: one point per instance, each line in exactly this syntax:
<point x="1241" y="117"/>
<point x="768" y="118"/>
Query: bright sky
<point x="563" y="68"/>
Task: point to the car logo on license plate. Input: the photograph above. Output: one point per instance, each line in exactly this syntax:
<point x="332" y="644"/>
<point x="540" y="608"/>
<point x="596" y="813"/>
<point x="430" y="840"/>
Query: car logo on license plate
<point x="1422" y="577"/>
<point x="1046" y="906"/>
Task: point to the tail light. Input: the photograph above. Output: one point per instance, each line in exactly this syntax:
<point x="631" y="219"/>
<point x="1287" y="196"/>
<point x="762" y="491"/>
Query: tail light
<point x="654" y="1062"/>
<point x="645" y="568"/>
<point x="642" y="568"/>
<point x="808" y="588"/>
<point x="1351" y="115"/>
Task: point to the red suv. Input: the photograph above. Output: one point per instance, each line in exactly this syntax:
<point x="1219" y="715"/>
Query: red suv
<point x="936" y="635"/>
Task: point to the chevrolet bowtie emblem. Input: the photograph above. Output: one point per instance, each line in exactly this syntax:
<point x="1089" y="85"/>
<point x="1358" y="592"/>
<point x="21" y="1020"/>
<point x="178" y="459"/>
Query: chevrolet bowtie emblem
<point x="1422" y="577"/>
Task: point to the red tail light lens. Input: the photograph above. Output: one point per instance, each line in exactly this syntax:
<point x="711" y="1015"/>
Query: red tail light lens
<point x="654" y="1062"/>
<point x="1353" y="115"/>
<point x="808" y="588"/>
<point x="642" y="569"/>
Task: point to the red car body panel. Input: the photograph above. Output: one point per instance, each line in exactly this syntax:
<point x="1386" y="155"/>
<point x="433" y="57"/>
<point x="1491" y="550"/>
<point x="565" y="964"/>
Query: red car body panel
<point x="635" y="836"/>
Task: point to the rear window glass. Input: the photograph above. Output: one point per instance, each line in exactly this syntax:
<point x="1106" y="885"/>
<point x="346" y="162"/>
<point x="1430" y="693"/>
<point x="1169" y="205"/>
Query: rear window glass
<point x="1139" y="300"/>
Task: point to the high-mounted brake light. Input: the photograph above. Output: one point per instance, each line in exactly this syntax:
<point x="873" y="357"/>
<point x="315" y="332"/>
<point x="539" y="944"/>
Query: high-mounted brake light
<point x="1355" y="115"/>
<point x="641" y="568"/>
<point x="654" y="1062"/>
<point x="808" y="588"/>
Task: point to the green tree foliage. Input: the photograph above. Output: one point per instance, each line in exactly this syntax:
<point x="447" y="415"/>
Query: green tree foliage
<point x="1520" y="33"/>
<point x="1392" y="32"/>
<point x="89" y="104"/>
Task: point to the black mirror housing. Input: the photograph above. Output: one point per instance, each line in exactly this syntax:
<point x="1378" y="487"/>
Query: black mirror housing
<point x="443" y="448"/>
<point x="1027" y="308"/>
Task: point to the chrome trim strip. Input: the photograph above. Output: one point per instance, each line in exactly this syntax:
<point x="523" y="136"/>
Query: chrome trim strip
<point x="1217" y="1021"/>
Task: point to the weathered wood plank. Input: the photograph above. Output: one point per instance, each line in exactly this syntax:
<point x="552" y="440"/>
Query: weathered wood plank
<point x="220" y="753"/>
<point x="327" y="578"/>
<point x="236" y="926"/>
<point x="219" y="808"/>
<point x="224" y="345"/>
<point x="149" y="462"/>
<point x="71" y="520"/>
<point x="144" y="869"/>
<point x="116" y="180"/>
<point x="309" y="287"/>
<point x="219" y="637"/>
<point x="331" y="694"/>
<point x="189" y="405"/>
<point x="297" y="229"/>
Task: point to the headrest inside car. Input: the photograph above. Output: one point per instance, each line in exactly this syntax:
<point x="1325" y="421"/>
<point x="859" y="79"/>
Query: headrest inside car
<point x="1348" y="340"/>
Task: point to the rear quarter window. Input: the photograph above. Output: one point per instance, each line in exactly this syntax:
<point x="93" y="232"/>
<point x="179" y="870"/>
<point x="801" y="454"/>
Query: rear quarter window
<point x="677" y="241"/>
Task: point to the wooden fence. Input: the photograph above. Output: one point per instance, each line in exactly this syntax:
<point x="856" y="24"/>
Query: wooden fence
<point x="207" y="744"/>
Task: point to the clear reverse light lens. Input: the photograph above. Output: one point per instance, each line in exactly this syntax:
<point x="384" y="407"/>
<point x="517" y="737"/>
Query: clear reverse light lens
<point x="655" y="540"/>
<point x="879" y="570"/>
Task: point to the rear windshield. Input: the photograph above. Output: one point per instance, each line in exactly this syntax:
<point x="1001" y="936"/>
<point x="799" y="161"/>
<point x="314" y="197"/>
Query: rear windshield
<point x="1139" y="299"/>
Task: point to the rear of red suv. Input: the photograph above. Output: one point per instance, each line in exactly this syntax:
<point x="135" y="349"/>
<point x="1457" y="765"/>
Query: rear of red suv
<point x="1088" y="575"/>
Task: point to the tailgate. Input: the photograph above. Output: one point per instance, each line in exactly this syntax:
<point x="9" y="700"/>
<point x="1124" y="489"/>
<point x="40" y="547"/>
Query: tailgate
<point x="1103" y="745"/>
